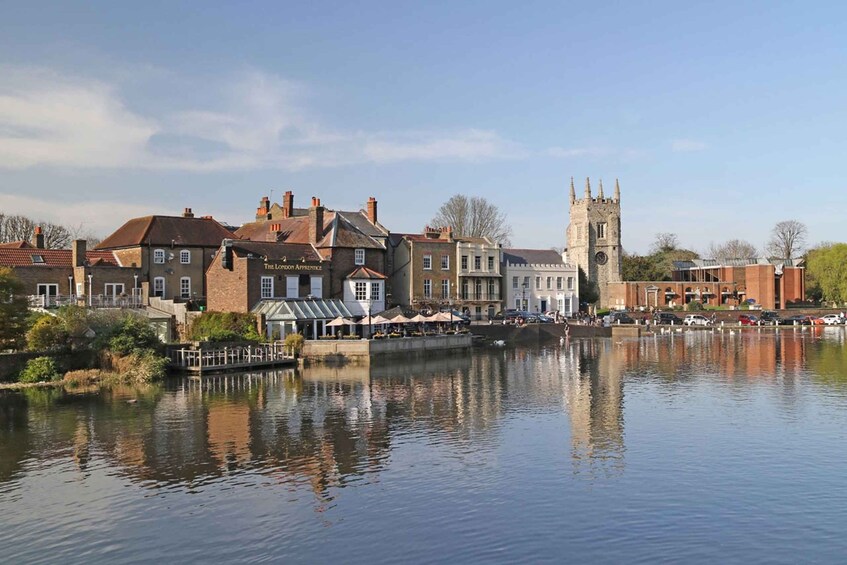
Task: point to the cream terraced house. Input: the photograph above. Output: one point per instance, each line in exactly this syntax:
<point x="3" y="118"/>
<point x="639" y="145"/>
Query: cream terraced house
<point x="478" y="277"/>
<point x="539" y="280"/>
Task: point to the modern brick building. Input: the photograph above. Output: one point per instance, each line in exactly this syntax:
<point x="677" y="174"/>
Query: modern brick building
<point x="771" y="284"/>
<point x="173" y="252"/>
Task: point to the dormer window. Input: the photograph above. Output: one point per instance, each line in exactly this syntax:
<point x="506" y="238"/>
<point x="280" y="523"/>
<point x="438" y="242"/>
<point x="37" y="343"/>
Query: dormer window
<point x="185" y="257"/>
<point x="159" y="256"/>
<point x="359" y="259"/>
<point x="38" y="259"/>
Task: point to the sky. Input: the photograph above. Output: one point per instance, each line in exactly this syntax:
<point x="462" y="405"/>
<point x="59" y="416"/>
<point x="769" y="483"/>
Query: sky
<point x="719" y="119"/>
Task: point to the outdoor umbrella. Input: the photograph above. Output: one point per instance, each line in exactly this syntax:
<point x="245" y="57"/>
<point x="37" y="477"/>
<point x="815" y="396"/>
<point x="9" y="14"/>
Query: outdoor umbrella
<point x="340" y="321"/>
<point x="400" y="319"/>
<point x="419" y="318"/>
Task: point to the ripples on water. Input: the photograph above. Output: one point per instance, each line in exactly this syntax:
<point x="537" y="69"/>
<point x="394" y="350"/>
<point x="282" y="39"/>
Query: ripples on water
<point x="696" y="447"/>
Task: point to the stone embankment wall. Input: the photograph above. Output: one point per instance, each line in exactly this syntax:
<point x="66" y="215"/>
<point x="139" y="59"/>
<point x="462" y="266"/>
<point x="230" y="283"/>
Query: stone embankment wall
<point x="362" y="351"/>
<point x="536" y="333"/>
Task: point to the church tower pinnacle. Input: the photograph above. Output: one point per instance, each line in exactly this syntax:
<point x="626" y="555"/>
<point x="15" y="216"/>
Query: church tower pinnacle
<point x="573" y="192"/>
<point x="587" y="188"/>
<point x="600" y="193"/>
<point x="617" y="191"/>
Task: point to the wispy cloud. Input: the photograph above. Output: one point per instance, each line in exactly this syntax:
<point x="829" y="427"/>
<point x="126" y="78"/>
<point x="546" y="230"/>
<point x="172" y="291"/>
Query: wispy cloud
<point x="687" y="145"/>
<point x="257" y="121"/>
<point x="593" y="152"/>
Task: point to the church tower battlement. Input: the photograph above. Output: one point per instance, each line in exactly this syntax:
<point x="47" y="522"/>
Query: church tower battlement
<point x="594" y="237"/>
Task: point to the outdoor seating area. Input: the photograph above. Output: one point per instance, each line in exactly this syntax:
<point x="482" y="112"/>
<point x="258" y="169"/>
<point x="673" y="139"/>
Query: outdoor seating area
<point x="399" y="326"/>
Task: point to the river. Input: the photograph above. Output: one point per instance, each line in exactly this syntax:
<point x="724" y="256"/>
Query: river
<point x="698" y="447"/>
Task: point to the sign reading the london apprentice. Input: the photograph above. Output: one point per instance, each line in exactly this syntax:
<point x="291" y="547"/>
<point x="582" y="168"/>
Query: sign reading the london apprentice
<point x="292" y="267"/>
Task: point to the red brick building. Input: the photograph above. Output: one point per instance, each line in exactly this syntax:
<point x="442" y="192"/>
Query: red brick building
<point x="425" y="273"/>
<point x="245" y="272"/>
<point x="53" y="277"/>
<point x="347" y="240"/>
<point x="772" y="284"/>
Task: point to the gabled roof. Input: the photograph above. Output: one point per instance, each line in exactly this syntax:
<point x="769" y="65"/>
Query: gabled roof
<point x="363" y="224"/>
<point x="338" y="231"/>
<point x="167" y="230"/>
<point x="276" y="251"/>
<point x="365" y="273"/>
<point x="532" y="257"/>
<point x="34" y="257"/>
<point x="17" y="245"/>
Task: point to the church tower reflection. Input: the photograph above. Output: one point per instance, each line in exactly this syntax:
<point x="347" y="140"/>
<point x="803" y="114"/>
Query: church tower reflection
<point x="593" y="393"/>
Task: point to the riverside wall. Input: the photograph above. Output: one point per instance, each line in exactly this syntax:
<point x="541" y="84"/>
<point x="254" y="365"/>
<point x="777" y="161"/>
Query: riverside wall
<point x="365" y="351"/>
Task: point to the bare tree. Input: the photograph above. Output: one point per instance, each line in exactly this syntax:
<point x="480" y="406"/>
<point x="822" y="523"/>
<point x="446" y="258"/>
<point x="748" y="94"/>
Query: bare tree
<point x="664" y="242"/>
<point x="732" y="249"/>
<point x="21" y="228"/>
<point x="788" y="238"/>
<point x="473" y="217"/>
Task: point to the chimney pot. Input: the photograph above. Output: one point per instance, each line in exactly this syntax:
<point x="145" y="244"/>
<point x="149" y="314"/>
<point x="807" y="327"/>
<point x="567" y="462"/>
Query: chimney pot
<point x="372" y="210"/>
<point x="187" y="213"/>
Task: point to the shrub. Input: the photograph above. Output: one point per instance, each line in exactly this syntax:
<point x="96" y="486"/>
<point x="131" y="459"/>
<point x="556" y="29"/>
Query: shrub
<point x="83" y="377"/>
<point x="294" y="343"/>
<point x="224" y="326"/>
<point x="694" y="306"/>
<point x="143" y="366"/>
<point x="133" y="335"/>
<point x="48" y="332"/>
<point x="38" y="370"/>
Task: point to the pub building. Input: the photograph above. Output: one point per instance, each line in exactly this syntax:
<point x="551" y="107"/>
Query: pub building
<point x="269" y="279"/>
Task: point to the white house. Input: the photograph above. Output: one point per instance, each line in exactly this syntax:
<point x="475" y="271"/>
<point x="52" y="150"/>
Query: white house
<point x="539" y="280"/>
<point x="364" y="292"/>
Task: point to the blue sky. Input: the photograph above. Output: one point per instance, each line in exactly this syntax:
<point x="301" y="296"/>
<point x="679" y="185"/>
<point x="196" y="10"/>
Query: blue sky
<point x="719" y="120"/>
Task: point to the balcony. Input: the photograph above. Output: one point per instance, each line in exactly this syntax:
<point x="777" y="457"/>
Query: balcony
<point x="96" y="301"/>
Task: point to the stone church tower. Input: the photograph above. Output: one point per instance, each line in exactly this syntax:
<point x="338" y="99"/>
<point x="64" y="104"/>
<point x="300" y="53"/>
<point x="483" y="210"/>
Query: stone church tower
<point x="594" y="237"/>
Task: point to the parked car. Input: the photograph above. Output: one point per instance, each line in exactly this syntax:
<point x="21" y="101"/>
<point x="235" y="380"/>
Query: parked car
<point x="508" y="315"/>
<point x="832" y="319"/>
<point x="620" y="318"/>
<point x="748" y="320"/>
<point x="769" y="318"/>
<point x="668" y="318"/>
<point x="463" y="319"/>
<point x="696" y="320"/>
<point x="796" y="321"/>
<point x="545" y="319"/>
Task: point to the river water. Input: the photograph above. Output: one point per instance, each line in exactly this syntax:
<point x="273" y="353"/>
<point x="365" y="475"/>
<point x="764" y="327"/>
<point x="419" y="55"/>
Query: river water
<point x="696" y="448"/>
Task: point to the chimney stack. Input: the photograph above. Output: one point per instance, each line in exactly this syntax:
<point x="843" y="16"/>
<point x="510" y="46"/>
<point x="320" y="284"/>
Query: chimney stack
<point x="287" y="204"/>
<point x="187" y="213"/>
<point x="78" y="250"/>
<point x="38" y="238"/>
<point x="316" y="221"/>
<point x="263" y="209"/>
<point x="372" y="210"/>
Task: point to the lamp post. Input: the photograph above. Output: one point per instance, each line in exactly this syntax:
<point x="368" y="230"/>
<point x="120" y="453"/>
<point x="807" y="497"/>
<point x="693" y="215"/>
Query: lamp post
<point x="70" y="287"/>
<point x="90" y="291"/>
<point x="135" y="300"/>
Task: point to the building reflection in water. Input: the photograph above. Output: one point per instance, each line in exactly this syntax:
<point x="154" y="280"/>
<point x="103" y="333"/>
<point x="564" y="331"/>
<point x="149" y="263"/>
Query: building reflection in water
<point x="326" y="427"/>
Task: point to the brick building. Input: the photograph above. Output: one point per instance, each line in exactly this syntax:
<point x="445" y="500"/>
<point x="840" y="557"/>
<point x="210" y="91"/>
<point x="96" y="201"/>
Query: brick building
<point x="245" y="272"/>
<point x="772" y="284"/>
<point x="173" y="252"/>
<point x="347" y="240"/>
<point x="53" y="277"/>
<point x="425" y="269"/>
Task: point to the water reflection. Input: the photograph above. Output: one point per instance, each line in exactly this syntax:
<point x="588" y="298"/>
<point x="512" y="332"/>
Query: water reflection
<point x="325" y="427"/>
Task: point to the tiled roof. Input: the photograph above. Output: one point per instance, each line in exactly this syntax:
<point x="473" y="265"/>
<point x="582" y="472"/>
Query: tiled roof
<point x="28" y="257"/>
<point x="363" y="224"/>
<point x="17" y="245"/>
<point x="365" y="273"/>
<point x="338" y="231"/>
<point x="532" y="257"/>
<point x="276" y="251"/>
<point x="167" y="230"/>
